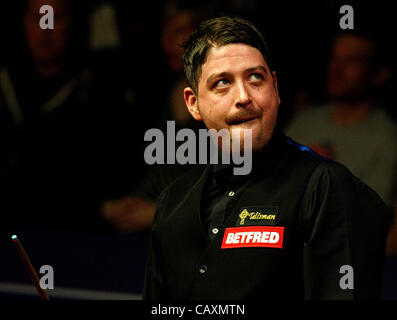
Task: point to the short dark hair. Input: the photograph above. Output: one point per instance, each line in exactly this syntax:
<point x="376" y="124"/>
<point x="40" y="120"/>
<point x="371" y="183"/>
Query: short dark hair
<point x="219" y="31"/>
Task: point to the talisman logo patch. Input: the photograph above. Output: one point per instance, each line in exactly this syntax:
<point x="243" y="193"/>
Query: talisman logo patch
<point x="265" y="216"/>
<point x="256" y="236"/>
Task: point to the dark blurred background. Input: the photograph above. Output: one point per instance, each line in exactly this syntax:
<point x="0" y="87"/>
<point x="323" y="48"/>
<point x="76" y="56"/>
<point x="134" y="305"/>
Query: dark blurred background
<point x="76" y="101"/>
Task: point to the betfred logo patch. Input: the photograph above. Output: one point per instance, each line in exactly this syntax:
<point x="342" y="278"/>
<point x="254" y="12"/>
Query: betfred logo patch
<point x="244" y="237"/>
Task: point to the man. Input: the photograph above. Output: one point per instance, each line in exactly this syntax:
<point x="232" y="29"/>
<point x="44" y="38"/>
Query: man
<point x="354" y="121"/>
<point x="56" y="120"/>
<point x="287" y="229"/>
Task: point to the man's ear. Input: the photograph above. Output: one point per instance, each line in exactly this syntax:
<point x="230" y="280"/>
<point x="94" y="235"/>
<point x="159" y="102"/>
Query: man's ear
<point x="192" y="103"/>
<point x="275" y="83"/>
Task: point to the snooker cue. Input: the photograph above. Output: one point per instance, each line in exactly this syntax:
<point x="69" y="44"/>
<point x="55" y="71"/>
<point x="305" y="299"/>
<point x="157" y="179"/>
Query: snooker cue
<point x="32" y="273"/>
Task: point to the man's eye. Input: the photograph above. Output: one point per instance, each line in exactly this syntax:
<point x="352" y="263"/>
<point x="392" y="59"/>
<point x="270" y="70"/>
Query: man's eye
<point x="221" y="83"/>
<point x="256" y="77"/>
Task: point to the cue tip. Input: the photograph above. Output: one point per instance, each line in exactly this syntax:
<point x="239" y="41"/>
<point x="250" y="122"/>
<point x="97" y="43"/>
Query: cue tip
<point x="14" y="237"/>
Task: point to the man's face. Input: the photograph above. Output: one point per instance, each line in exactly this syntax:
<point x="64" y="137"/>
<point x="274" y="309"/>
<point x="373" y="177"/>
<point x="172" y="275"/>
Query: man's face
<point x="349" y="69"/>
<point x="236" y="90"/>
<point x="49" y="44"/>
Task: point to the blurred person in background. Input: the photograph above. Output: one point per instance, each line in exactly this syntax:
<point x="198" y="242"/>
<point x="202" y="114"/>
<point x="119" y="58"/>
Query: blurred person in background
<point x="135" y="212"/>
<point x="63" y="136"/>
<point x="353" y="127"/>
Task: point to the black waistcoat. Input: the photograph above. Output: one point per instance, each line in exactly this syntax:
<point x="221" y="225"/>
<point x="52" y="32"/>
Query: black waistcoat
<point x="191" y="266"/>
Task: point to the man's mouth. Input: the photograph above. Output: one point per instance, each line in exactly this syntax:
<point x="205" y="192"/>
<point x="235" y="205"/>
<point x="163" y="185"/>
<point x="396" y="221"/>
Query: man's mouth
<point x="238" y="121"/>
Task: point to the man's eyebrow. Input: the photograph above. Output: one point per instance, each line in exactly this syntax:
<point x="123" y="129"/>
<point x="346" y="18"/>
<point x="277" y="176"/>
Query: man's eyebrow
<point x="217" y="75"/>
<point x="260" y="67"/>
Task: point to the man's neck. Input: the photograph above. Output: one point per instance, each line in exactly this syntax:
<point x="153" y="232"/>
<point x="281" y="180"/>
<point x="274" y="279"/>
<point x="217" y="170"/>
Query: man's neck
<point x="346" y="113"/>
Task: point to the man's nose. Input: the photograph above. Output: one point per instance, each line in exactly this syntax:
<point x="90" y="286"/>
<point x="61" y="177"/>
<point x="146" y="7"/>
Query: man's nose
<point x="242" y="96"/>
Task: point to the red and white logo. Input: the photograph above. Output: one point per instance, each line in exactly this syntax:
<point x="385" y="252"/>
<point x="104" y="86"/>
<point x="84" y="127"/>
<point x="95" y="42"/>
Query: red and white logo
<point x="255" y="236"/>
